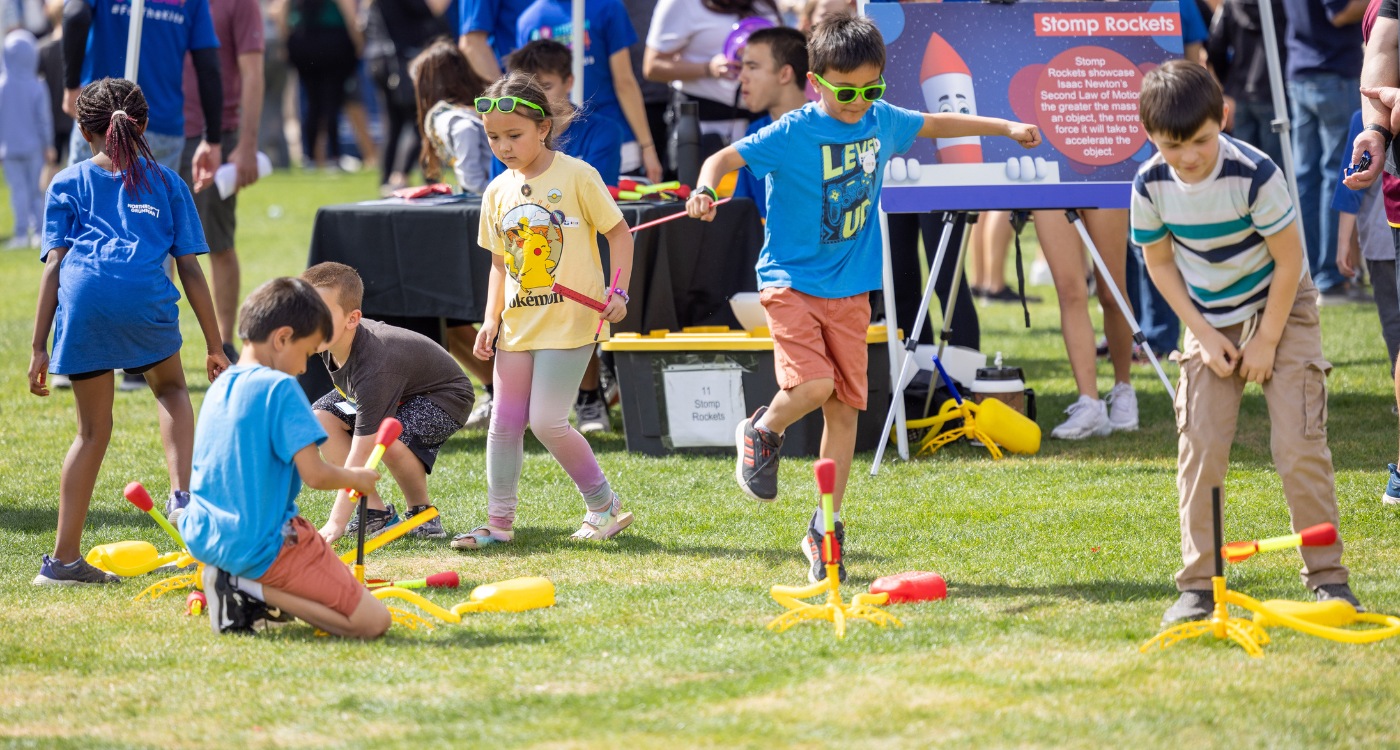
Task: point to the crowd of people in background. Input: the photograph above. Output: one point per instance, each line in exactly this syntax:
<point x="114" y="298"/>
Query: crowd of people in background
<point x="349" y="84"/>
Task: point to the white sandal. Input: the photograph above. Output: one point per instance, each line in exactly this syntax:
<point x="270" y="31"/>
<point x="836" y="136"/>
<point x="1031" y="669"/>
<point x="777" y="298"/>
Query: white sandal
<point x="598" y="526"/>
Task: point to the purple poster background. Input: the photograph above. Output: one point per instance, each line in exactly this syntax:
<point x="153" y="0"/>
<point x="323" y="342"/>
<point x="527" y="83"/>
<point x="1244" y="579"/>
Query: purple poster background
<point x="1073" y="68"/>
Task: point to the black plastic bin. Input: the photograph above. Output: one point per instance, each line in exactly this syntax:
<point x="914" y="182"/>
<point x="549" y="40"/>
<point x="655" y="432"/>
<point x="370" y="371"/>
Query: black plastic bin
<point x="640" y="362"/>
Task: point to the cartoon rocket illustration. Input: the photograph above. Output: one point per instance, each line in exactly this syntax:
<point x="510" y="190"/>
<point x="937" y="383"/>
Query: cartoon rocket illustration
<point x="947" y="86"/>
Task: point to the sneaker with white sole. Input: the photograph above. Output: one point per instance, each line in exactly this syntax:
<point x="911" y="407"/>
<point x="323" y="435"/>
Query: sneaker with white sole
<point x="378" y="521"/>
<point x="175" y="506"/>
<point x="1123" y="408"/>
<point x="1391" y="496"/>
<point x="1087" y="418"/>
<point x="600" y="525"/>
<point x="756" y="463"/>
<point x="77" y="573"/>
<point x="234" y="610"/>
<point x="430" y="529"/>
<point x="480" y="417"/>
<point x="592" y="414"/>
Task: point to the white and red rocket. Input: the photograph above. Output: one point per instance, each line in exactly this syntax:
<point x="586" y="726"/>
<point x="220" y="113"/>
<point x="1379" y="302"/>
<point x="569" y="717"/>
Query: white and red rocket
<point x="947" y="86"/>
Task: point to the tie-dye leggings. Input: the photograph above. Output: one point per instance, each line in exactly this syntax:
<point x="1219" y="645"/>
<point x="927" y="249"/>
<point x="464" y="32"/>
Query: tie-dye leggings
<point x="538" y="387"/>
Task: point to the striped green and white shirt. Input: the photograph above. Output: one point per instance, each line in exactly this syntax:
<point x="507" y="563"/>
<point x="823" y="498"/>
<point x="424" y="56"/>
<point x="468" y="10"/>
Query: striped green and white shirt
<point x="1217" y="227"/>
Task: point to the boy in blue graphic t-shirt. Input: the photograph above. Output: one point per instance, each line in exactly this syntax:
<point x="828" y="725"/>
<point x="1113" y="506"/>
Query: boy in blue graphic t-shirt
<point x="821" y="254"/>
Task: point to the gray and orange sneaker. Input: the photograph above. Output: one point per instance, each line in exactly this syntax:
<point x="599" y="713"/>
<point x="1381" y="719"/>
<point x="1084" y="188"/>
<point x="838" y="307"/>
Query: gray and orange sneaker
<point x="756" y="465"/>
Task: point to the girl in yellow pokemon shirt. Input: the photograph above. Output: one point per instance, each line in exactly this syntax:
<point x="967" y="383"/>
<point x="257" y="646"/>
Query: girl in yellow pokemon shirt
<point x="541" y="219"/>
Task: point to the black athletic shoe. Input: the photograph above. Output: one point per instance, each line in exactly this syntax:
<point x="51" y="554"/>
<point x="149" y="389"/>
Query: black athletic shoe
<point x="1329" y="591"/>
<point x="80" y="572"/>
<point x="232" y="610"/>
<point x="756" y="465"/>
<point x="432" y="529"/>
<point x="1191" y="606"/>
<point x="379" y="520"/>
<point x="812" y="548"/>
<point x="1007" y="294"/>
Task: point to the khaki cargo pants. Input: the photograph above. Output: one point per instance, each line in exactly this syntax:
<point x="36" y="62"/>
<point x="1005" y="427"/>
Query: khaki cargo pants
<point x="1207" y="412"/>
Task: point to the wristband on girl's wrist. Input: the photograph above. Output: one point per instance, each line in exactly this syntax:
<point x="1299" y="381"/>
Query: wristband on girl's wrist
<point x="621" y="293"/>
<point x="708" y="191"/>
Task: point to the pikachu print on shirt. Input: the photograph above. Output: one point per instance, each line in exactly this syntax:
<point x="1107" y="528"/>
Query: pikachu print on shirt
<point x="534" y="247"/>
<point x="848" y="182"/>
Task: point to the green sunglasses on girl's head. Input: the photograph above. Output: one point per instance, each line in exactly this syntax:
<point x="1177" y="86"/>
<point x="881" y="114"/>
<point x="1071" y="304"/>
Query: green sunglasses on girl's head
<point x="484" y="104"/>
<point x="847" y="94"/>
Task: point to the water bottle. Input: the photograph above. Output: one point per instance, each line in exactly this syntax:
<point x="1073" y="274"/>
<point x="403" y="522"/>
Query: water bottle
<point x="688" y="144"/>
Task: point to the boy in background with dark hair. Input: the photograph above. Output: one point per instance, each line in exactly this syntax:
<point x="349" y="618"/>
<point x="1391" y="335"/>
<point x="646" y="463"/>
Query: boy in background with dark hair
<point x="382" y="371"/>
<point x="586" y="135"/>
<point x="821" y="253"/>
<point x="255" y="444"/>
<point x="772" y="79"/>
<point x="589" y="136"/>
<point x="1220" y="238"/>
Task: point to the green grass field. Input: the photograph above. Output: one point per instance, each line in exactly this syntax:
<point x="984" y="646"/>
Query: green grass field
<point x="1059" y="566"/>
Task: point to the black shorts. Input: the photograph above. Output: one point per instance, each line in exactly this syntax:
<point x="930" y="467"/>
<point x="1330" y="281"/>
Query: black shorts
<point x="100" y="373"/>
<point x="425" y="425"/>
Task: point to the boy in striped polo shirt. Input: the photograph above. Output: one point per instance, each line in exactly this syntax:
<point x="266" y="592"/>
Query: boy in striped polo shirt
<point x="1217" y="229"/>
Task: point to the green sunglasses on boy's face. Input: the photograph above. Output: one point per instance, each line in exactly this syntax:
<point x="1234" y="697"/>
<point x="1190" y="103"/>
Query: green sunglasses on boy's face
<point x="847" y="94"/>
<point x="505" y="104"/>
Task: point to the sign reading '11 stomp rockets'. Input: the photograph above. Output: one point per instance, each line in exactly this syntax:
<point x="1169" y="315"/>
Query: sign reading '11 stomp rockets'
<point x="1072" y="68"/>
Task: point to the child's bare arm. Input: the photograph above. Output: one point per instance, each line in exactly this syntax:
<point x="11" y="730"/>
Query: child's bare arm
<point x="1348" y="245"/>
<point x="197" y="291"/>
<point x="620" y="252"/>
<point x="726" y="160"/>
<point x="43" y="322"/>
<point x="1217" y="351"/>
<point x="956" y="125"/>
<point x="495" y="305"/>
<point x="1257" y="357"/>
<point x="319" y="475"/>
<point x="360" y="448"/>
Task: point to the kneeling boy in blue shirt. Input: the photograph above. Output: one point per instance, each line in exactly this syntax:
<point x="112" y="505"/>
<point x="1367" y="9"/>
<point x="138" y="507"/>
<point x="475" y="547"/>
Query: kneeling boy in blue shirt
<point x="256" y="442"/>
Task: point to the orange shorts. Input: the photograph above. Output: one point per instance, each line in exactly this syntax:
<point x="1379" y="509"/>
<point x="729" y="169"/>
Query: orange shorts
<point x="815" y="338"/>
<point x="307" y="567"/>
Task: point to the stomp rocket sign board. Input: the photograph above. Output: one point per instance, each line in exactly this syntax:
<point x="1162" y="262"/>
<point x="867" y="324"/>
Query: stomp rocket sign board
<point x="1073" y="68"/>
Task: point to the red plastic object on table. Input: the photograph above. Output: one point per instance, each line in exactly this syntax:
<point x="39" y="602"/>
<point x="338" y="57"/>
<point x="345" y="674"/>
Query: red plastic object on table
<point x="628" y="185"/>
<point x="914" y="586"/>
<point x="423" y="191"/>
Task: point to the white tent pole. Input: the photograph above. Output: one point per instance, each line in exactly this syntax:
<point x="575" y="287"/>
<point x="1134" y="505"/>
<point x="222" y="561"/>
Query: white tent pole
<point x="133" y="39"/>
<point x="1281" y="123"/>
<point x="576" y="38"/>
<point x="892" y="344"/>
<point x="911" y="337"/>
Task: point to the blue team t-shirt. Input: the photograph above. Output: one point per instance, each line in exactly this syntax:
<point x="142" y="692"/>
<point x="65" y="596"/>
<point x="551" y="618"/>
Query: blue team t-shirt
<point x="827" y="174"/>
<point x="244" y="485"/>
<point x="495" y="17"/>
<point x="596" y="140"/>
<point x="607" y="30"/>
<point x="116" y="305"/>
<point x="748" y="186"/>
<point x="171" y="28"/>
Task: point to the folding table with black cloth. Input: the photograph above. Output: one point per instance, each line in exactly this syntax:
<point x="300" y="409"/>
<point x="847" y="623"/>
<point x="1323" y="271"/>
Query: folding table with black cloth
<point x="423" y="269"/>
